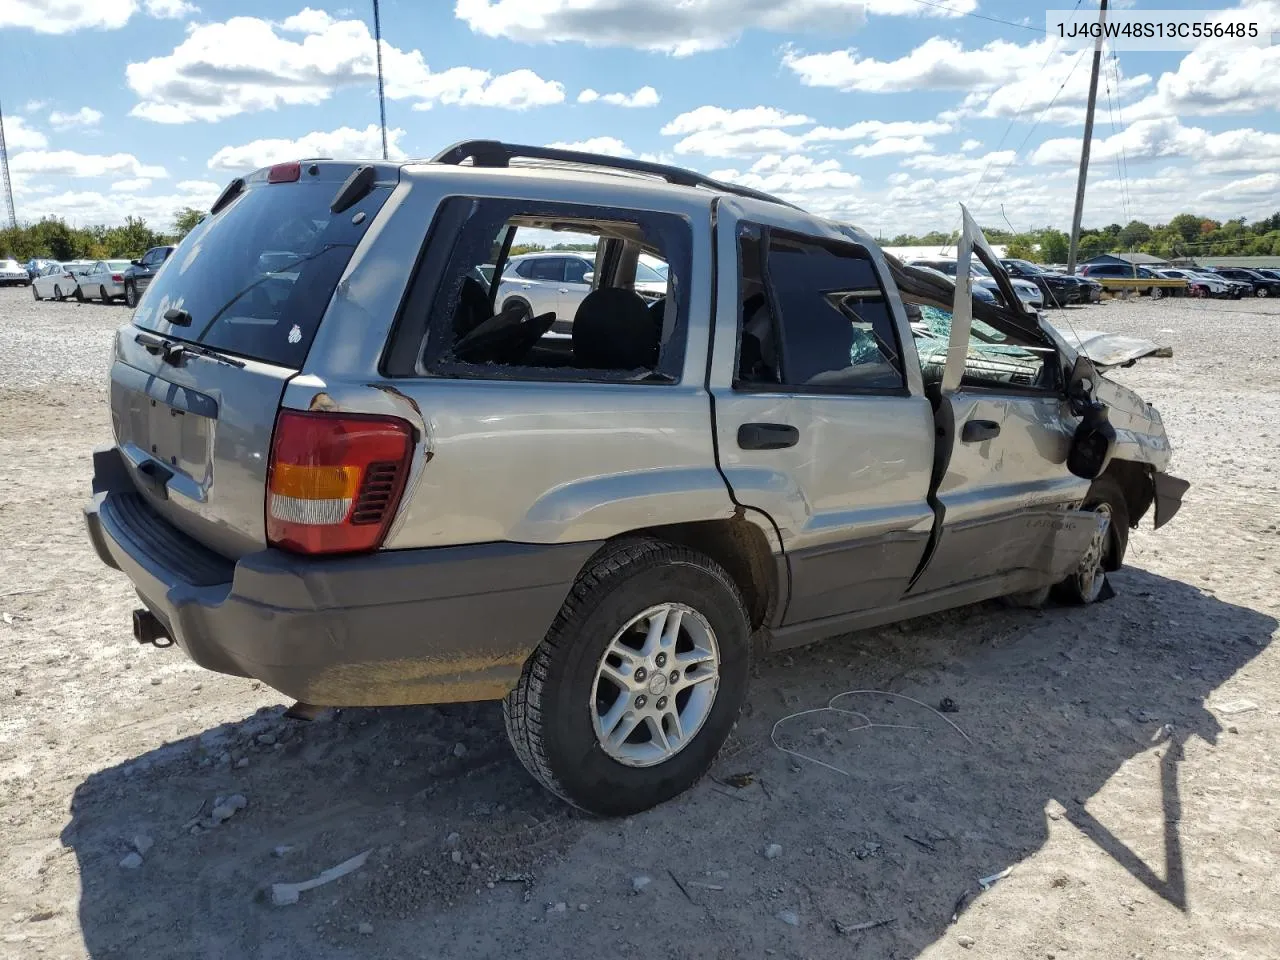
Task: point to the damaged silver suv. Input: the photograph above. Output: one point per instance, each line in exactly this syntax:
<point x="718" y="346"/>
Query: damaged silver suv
<point x="342" y="467"/>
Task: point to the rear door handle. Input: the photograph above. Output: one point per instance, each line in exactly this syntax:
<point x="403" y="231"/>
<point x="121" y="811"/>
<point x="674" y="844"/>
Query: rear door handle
<point x="975" y="431"/>
<point x="767" y="436"/>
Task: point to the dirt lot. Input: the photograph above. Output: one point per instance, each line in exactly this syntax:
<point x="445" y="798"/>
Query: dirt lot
<point x="1121" y="759"/>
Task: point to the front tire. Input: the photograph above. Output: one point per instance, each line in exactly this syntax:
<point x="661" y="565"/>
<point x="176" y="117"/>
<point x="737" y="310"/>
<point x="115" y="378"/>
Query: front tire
<point x="1157" y="293"/>
<point x="1087" y="582"/>
<point x="637" y="684"/>
<point x="34" y="292"/>
<point x="79" y="295"/>
<point x="1263" y="292"/>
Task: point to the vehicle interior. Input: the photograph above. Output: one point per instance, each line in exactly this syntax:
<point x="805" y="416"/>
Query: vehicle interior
<point x="1003" y="351"/>
<point x="614" y="327"/>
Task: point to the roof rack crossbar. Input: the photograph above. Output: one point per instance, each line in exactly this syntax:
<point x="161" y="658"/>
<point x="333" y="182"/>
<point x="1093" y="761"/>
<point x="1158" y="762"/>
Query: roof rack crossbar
<point x="494" y="153"/>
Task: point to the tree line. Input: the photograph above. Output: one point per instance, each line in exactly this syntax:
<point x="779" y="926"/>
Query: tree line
<point x="1186" y="235"/>
<point x="52" y="239"/>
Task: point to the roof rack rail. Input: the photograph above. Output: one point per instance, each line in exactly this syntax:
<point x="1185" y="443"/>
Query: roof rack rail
<point x="494" y="153"/>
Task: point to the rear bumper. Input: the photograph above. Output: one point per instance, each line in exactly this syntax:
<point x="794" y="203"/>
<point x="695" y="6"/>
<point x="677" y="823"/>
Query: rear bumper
<point x="394" y="627"/>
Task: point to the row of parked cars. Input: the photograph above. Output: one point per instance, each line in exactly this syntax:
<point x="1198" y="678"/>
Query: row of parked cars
<point x="105" y="280"/>
<point x="1222" y="282"/>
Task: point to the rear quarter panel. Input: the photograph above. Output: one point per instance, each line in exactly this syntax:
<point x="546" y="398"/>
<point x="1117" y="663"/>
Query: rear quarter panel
<point x="525" y="461"/>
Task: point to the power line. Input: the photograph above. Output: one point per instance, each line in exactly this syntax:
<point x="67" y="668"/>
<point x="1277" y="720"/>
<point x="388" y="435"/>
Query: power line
<point x="979" y="16"/>
<point x="1017" y="114"/>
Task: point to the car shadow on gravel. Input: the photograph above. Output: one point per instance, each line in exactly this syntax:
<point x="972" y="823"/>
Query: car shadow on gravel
<point x="893" y="822"/>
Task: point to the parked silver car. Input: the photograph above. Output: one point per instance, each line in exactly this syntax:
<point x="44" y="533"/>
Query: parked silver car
<point x="104" y="281"/>
<point x="555" y="282"/>
<point x="350" y="473"/>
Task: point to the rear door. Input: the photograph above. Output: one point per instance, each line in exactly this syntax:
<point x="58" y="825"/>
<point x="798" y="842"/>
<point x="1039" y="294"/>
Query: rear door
<point x="251" y="283"/>
<point x="1005" y="487"/>
<point x="820" y="416"/>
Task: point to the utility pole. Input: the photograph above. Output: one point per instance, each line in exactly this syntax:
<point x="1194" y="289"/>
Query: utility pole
<point x="1088" y="142"/>
<point x="4" y="175"/>
<point x="382" y="102"/>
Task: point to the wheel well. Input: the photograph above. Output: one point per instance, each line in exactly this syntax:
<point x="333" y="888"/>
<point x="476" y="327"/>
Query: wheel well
<point x="1135" y="480"/>
<point x="737" y="545"/>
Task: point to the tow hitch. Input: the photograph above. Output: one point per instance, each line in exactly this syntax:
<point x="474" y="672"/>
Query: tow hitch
<point x="147" y="628"/>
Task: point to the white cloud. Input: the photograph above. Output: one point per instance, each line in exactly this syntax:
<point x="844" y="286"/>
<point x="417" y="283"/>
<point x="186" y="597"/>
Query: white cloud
<point x="970" y="144"/>
<point x="719" y="132"/>
<point x="1214" y="80"/>
<point x="644" y="97"/>
<point x="888" y="145"/>
<point x="112" y="207"/>
<point x="719" y="119"/>
<point x="686" y="27"/>
<point x="878" y="130"/>
<point x="84" y="117"/>
<point x="681" y="28"/>
<point x="245" y="65"/>
<point x="609" y="146"/>
<point x="35" y="106"/>
<point x="308" y="20"/>
<point x="18" y="135"/>
<point x="1232" y="150"/>
<point x="68" y="163"/>
<point x="170" y="9"/>
<point x="66" y="16"/>
<point x="793" y="175"/>
<point x="345" y="143"/>
<point x="131" y="186"/>
<point x="953" y="164"/>
<point x="937" y="64"/>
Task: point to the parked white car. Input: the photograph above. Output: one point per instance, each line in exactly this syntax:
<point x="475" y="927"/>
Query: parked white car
<point x="59" y="280"/>
<point x="103" y="281"/>
<point x="12" y="272"/>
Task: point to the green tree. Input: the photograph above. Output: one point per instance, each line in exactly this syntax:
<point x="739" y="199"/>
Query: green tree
<point x="1135" y="234"/>
<point x="185" y="220"/>
<point x="1021" y="247"/>
<point x="1054" y="246"/>
<point x="1187" y="225"/>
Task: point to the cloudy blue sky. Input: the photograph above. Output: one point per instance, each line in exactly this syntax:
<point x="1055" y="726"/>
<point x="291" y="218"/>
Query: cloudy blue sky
<point x="884" y="112"/>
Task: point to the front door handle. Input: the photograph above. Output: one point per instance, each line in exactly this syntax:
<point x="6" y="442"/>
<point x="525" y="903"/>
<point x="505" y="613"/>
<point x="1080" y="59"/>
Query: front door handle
<point x="563" y="290"/>
<point x="975" y="431"/>
<point x="767" y="436"/>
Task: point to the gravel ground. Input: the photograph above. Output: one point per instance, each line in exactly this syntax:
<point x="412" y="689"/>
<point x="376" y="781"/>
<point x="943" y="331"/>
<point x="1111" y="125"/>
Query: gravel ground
<point x="1120" y="759"/>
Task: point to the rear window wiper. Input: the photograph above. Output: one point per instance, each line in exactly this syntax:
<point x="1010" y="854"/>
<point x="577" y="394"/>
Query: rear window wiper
<point x="172" y="351"/>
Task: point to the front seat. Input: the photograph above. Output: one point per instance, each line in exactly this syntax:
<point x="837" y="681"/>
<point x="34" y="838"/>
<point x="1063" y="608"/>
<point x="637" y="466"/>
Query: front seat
<point x="614" y="330"/>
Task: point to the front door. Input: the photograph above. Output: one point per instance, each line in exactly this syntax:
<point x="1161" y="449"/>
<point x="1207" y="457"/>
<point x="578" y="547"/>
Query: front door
<point x="823" y="426"/>
<point x="1005" y="494"/>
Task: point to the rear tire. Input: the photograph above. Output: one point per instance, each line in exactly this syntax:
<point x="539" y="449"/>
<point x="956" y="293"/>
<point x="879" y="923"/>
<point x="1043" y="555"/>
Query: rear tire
<point x="102" y="295"/>
<point x="1157" y="293"/>
<point x="130" y="295"/>
<point x="34" y="292"/>
<point x="566" y="692"/>
<point x="520" y="302"/>
<point x="1087" y="583"/>
<point x="79" y="294"/>
<point x="57" y="292"/>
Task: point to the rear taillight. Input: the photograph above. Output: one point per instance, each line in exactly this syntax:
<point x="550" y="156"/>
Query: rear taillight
<point x="118" y="277"/>
<point x="335" y="480"/>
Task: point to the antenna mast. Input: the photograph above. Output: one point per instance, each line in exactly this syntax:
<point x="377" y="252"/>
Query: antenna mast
<point x="382" y="102"/>
<point x="4" y="175"/>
